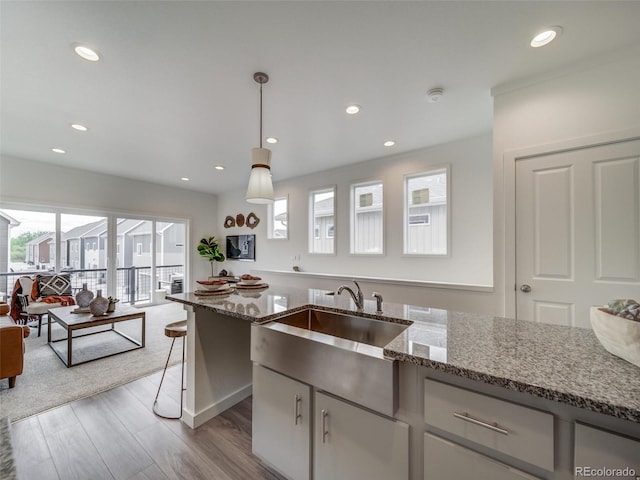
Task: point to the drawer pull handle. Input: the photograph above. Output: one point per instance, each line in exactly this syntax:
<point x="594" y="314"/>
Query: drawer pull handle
<point x="325" y="431"/>
<point x="465" y="416"/>
<point x="296" y="408"/>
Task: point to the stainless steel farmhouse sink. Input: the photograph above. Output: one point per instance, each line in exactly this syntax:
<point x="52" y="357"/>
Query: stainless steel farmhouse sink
<point x="338" y="353"/>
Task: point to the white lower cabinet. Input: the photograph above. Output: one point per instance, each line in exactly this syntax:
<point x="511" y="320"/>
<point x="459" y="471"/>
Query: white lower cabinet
<point x="282" y="423"/>
<point x="601" y="454"/>
<point x="444" y="460"/>
<point x="351" y="443"/>
<point x="515" y="430"/>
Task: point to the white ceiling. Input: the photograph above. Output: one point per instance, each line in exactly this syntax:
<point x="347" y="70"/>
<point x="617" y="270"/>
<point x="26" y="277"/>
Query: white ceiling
<point x="174" y="93"/>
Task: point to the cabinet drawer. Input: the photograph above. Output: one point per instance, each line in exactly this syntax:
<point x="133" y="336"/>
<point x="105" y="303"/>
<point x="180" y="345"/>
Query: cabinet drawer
<point x="514" y="430"/>
<point x="444" y="460"/>
<point x="597" y="449"/>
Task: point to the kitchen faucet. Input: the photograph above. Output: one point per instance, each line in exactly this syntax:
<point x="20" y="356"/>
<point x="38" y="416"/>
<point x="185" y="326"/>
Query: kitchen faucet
<point x="358" y="298"/>
<point x="378" y="298"/>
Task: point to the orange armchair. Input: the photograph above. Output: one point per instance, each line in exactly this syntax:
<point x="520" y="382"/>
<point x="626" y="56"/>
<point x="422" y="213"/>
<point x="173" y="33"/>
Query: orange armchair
<point x="11" y="347"/>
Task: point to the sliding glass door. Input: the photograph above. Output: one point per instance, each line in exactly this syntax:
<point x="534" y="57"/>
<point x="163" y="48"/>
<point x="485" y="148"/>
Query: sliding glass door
<point x="141" y="274"/>
<point x="137" y="260"/>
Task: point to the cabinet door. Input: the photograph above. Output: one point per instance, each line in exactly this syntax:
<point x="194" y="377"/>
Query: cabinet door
<point x="597" y="451"/>
<point x="282" y="423"/>
<point x="351" y="443"/>
<point x="444" y="460"/>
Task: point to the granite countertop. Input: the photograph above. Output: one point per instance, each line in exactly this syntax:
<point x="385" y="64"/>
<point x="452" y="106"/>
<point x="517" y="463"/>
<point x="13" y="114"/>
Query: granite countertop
<point x="563" y="364"/>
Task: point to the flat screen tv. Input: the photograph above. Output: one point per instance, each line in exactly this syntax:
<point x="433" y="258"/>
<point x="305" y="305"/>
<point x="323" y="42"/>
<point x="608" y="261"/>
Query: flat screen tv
<point x="241" y="247"/>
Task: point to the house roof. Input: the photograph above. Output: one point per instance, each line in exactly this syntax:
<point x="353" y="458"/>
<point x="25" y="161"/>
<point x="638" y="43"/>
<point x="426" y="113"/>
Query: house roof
<point x="82" y="230"/>
<point x="174" y="91"/>
<point x="12" y="221"/>
<point x="46" y="237"/>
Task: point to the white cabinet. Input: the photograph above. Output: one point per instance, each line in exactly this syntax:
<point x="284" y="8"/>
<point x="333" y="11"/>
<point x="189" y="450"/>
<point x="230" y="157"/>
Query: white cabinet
<point x="351" y="443"/>
<point x="597" y="451"/>
<point x="444" y="460"/>
<point x="515" y="430"/>
<point x="282" y="423"/>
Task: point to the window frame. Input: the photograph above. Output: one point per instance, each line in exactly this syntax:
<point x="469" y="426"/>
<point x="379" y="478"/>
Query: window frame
<point x="352" y="216"/>
<point x="432" y="170"/>
<point x="312" y="220"/>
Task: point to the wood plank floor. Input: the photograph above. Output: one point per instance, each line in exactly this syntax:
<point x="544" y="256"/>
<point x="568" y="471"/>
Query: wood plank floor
<point x="115" y="435"/>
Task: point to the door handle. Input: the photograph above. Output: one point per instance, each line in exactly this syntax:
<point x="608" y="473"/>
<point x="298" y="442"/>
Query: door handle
<point x="525" y="288"/>
<point x="296" y="408"/>
<point x="325" y="432"/>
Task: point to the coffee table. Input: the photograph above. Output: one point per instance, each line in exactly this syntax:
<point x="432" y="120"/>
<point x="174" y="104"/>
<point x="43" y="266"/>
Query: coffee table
<point x="79" y="321"/>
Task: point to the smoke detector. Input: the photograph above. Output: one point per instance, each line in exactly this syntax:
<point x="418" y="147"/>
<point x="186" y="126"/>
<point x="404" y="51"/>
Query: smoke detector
<point x="435" y="94"/>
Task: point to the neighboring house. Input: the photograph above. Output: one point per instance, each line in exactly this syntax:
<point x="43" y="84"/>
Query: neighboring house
<point x="170" y="238"/>
<point x="323" y="228"/>
<point x="368" y="220"/>
<point x="124" y="242"/>
<point x="76" y="242"/>
<point x="427" y="214"/>
<point x="41" y="250"/>
<point x="170" y="243"/>
<point x="94" y="244"/>
<point x="7" y="222"/>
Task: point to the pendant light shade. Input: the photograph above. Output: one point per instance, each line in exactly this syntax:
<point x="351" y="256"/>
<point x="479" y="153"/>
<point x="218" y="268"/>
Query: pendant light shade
<point x="260" y="189"/>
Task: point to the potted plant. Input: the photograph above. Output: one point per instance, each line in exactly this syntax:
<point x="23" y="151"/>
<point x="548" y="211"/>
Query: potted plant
<point x="210" y="249"/>
<point x="112" y="304"/>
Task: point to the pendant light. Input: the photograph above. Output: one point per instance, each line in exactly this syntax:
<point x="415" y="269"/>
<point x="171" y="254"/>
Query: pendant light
<point x="260" y="189"/>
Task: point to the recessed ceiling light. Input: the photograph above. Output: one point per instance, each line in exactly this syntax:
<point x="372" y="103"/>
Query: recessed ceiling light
<point x="185" y="179"/>
<point x="271" y="140"/>
<point x="86" y="53"/>
<point x="545" y="37"/>
<point x="389" y="143"/>
<point x="58" y="150"/>
<point x="80" y="128"/>
<point x="352" y="109"/>
<point x="219" y="167"/>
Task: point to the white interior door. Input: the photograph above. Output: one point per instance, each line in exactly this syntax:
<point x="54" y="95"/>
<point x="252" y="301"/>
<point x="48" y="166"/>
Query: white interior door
<point x="577" y="232"/>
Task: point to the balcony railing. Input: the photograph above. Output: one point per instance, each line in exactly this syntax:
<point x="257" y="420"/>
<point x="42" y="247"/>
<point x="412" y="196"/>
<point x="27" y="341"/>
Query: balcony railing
<point x="133" y="284"/>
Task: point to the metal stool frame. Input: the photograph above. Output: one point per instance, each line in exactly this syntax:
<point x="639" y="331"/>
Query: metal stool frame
<point x="182" y="388"/>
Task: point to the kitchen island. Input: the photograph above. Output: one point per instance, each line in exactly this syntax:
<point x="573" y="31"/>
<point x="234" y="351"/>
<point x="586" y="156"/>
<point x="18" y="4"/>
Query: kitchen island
<point x="562" y="371"/>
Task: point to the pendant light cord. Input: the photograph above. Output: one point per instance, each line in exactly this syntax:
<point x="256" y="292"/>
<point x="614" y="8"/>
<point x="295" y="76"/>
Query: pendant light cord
<point x="261" y="115"/>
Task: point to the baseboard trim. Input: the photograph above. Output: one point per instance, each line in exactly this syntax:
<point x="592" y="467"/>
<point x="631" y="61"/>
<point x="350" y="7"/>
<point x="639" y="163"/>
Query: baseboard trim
<point x="195" y="420"/>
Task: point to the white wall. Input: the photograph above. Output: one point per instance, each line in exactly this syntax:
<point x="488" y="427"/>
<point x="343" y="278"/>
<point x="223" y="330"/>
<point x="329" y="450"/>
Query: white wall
<point x="470" y="260"/>
<point x="42" y="184"/>
<point x="597" y="101"/>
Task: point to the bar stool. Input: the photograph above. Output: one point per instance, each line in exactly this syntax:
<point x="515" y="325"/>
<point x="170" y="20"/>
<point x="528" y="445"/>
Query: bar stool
<point x="173" y="330"/>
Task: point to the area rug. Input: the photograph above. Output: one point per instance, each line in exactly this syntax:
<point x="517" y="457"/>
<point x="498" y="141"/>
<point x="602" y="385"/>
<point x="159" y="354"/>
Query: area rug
<point x="46" y="382"/>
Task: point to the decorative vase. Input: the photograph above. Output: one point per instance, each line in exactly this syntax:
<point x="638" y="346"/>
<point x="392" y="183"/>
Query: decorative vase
<point x="84" y="297"/>
<point x="4" y="309"/>
<point x="112" y="306"/>
<point x="99" y="305"/>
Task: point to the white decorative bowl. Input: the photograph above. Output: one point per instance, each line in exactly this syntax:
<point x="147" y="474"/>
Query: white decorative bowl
<point x="618" y="335"/>
<point x="252" y="281"/>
